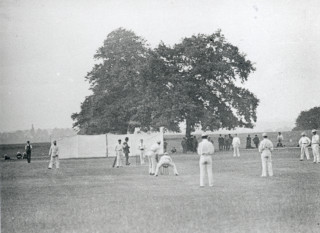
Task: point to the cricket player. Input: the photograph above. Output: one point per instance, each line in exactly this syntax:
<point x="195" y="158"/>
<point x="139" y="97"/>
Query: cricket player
<point x="142" y="148"/>
<point x="265" y="149"/>
<point x="54" y="155"/>
<point x="304" y="142"/>
<point x="236" y="145"/>
<point x="279" y="139"/>
<point x="126" y="150"/>
<point x="119" y="154"/>
<point x="315" y="146"/>
<point x="205" y="150"/>
<point x="166" y="161"/>
<point x="28" y="149"/>
<point x="151" y="154"/>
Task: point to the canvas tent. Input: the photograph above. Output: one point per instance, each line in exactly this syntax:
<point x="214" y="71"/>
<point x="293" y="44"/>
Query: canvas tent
<point x="82" y="146"/>
<point x="93" y="146"/>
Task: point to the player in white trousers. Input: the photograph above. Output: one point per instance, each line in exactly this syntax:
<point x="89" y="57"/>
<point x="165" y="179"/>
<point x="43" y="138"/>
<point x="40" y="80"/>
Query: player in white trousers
<point x="304" y="142"/>
<point x="54" y="155"/>
<point x="236" y="145"/>
<point x="151" y="154"/>
<point x="119" y="154"/>
<point x="315" y="146"/>
<point x="142" y="148"/>
<point x="166" y="161"/>
<point x="265" y="148"/>
<point x="205" y="150"/>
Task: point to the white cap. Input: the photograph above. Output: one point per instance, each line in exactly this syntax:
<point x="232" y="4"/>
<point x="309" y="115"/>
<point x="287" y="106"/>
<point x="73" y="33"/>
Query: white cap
<point x="204" y="134"/>
<point x="303" y="133"/>
<point x="314" y="130"/>
<point x="264" y="134"/>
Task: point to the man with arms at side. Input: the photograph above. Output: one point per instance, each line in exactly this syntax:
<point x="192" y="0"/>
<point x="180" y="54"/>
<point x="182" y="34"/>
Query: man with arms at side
<point x="126" y="150"/>
<point x="54" y="155"/>
<point x="236" y="145"/>
<point x="28" y="149"/>
<point x="119" y="154"/>
<point x="315" y="146"/>
<point x="265" y="149"/>
<point x="304" y="142"/>
<point x="205" y="151"/>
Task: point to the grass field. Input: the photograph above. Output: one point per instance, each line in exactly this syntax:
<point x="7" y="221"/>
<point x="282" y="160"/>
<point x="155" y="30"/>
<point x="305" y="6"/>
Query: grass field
<point x="87" y="195"/>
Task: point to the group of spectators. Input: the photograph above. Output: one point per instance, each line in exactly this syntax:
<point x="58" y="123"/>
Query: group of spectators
<point x="225" y="142"/>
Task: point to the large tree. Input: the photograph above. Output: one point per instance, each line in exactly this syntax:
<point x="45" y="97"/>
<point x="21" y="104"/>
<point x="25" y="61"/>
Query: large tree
<point x="116" y="85"/>
<point x="197" y="81"/>
<point x="308" y="119"/>
<point x="194" y="81"/>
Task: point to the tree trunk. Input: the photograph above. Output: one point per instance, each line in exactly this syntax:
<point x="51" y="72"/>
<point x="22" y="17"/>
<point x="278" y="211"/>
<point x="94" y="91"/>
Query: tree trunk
<point x="189" y="128"/>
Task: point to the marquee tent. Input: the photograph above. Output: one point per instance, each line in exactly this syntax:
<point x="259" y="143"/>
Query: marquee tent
<point x="82" y="146"/>
<point x="93" y="146"/>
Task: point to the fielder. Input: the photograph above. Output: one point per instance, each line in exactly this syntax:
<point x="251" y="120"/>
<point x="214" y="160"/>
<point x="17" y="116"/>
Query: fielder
<point x="142" y="148"/>
<point x="28" y="149"/>
<point x="304" y="142"/>
<point x="315" y="146"/>
<point x="166" y="161"/>
<point x="205" y="150"/>
<point x="119" y="154"/>
<point x="265" y="148"/>
<point x="54" y="155"/>
<point x="236" y="145"/>
<point x="151" y="154"/>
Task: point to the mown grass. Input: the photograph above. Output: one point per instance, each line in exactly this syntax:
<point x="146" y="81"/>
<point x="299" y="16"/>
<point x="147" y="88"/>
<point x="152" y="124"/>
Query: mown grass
<point x="87" y="195"/>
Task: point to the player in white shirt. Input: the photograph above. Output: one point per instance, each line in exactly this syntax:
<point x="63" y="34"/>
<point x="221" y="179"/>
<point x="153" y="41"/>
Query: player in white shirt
<point x="54" y="155"/>
<point x="151" y="154"/>
<point x="315" y="146"/>
<point x="304" y="142"/>
<point x="236" y="145"/>
<point x="205" y="150"/>
<point x="265" y="149"/>
<point x="142" y="148"/>
<point x="119" y="154"/>
<point x="166" y="161"/>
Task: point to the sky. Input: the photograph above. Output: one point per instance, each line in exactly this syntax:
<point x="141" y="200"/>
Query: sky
<point x="47" y="48"/>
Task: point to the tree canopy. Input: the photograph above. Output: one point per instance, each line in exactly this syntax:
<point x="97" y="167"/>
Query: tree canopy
<point x="116" y="85"/>
<point x="195" y="81"/>
<point x="308" y="119"/>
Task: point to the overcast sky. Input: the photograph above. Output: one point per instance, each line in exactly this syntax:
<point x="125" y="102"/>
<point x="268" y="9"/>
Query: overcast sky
<point x="47" y="48"/>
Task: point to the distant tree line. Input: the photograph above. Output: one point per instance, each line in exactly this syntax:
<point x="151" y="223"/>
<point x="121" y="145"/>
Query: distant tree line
<point x="39" y="135"/>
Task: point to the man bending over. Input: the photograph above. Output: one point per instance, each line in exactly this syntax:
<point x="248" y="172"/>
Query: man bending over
<point x="166" y="161"/>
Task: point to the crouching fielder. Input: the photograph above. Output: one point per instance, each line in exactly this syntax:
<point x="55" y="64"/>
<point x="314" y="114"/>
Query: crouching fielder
<point x="205" y="150"/>
<point x="54" y="155"/>
<point x="265" y="148"/>
<point x="166" y="161"/>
